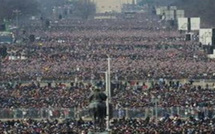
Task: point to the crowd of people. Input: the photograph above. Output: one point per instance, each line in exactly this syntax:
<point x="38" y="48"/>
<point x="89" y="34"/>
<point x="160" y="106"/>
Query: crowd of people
<point x="138" y="50"/>
<point x="76" y="50"/>
<point x="167" y="125"/>
<point x="131" y="95"/>
<point x="173" y="125"/>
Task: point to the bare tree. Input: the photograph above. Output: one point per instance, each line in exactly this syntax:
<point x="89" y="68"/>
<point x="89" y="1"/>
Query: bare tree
<point x="84" y="8"/>
<point x="199" y="8"/>
<point x="26" y="7"/>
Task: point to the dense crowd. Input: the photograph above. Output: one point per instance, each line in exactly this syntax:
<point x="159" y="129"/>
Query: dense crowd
<point x="130" y="94"/>
<point x="45" y="127"/>
<point x="166" y="125"/>
<point x="77" y="50"/>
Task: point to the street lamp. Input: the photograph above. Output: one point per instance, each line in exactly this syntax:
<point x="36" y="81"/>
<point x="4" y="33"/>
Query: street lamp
<point x="108" y="92"/>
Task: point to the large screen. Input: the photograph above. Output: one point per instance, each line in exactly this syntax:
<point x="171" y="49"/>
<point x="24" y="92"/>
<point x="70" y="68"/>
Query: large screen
<point x="182" y="24"/>
<point x="205" y="36"/>
<point x="195" y="23"/>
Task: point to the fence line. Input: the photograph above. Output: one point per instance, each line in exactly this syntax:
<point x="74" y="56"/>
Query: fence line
<point x="73" y="113"/>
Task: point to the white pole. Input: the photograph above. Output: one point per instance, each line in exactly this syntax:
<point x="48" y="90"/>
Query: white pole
<point x="109" y="81"/>
<point x="156" y="111"/>
<point x="107" y="103"/>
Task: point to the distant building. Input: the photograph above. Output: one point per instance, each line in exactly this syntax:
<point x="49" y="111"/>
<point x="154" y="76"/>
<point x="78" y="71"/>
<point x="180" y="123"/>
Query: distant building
<point x="103" y="6"/>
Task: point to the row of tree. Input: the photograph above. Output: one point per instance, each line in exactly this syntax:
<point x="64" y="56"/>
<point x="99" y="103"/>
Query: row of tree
<point x="84" y="8"/>
<point x="197" y="8"/>
<point x="200" y="8"/>
<point x="9" y="9"/>
<point x="155" y="2"/>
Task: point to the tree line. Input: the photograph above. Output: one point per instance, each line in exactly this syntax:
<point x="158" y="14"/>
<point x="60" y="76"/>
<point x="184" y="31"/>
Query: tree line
<point x="9" y="9"/>
<point x="193" y="8"/>
<point x="199" y="8"/>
